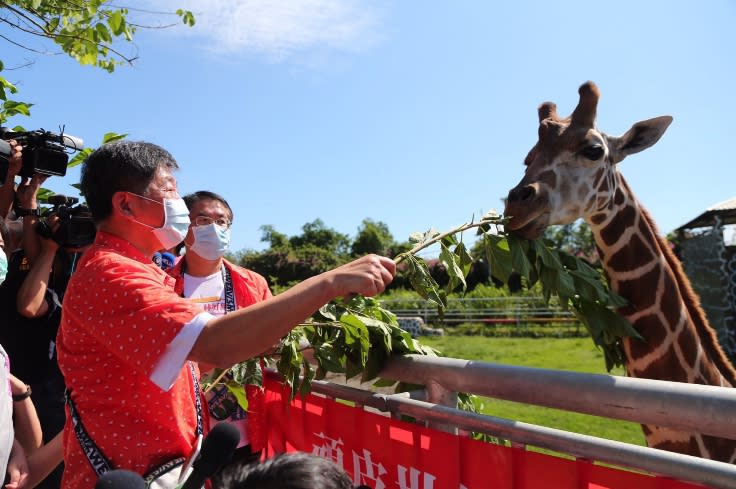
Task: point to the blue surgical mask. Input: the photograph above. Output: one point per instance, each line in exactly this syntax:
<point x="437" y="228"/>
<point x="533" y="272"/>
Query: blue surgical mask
<point x="176" y="222"/>
<point x="3" y="265"/>
<point x="211" y="241"/>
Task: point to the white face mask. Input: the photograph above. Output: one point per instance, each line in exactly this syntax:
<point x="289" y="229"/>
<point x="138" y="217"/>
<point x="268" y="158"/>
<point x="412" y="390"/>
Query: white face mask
<point x="176" y="222"/>
<point x="211" y="241"/>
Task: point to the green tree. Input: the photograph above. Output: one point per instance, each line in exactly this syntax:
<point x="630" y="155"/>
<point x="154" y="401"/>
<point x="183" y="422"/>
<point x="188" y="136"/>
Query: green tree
<point x="575" y="239"/>
<point x="295" y="258"/>
<point x="274" y="238"/>
<point x="372" y="237"/>
<point x="93" y="32"/>
<point x="316" y="234"/>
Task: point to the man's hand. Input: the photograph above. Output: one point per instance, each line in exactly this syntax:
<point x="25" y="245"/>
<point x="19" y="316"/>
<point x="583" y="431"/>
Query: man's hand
<point x="368" y="276"/>
<point x="17" y="467"/>
<point x="15" y="162"/>
<point x="49" y="245"/>
<point x="28" y="190"/>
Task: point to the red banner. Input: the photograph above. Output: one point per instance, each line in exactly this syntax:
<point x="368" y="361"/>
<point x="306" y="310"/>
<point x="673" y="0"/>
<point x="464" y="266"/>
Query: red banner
<point x="382" y="452"/>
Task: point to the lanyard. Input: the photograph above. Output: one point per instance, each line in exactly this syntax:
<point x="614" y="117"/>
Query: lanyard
<point x="227" y="280"/>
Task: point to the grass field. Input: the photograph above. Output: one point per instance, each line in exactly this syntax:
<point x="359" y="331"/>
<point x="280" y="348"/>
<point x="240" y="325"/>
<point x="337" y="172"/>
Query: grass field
<point x="575" y="354"/>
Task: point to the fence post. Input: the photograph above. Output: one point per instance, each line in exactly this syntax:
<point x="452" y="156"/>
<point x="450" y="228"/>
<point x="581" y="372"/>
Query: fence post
<point x="437" y="394"/>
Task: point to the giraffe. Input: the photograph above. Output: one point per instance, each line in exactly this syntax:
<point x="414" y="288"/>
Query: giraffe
<point x="571" y="172"/>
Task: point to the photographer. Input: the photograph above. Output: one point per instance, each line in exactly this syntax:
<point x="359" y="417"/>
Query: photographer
<point x="33" y="312"/>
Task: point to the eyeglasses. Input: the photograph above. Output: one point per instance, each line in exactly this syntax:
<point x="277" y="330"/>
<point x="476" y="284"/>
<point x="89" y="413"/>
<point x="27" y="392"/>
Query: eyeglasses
<point x="206" y="221"/>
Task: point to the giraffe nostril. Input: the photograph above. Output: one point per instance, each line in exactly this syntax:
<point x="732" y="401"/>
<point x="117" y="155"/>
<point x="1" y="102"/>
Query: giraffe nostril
<point x="521" y="194"/>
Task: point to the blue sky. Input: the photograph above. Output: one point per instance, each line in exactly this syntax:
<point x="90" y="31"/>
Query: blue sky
<point x="414" y="113"/>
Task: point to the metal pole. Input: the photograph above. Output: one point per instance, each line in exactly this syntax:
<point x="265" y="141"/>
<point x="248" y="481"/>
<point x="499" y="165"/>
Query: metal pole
<point x="689" y="407"/>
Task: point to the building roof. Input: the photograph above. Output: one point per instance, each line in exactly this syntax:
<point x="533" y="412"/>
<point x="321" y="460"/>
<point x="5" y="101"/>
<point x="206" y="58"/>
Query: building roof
<point x="725" y="210"/>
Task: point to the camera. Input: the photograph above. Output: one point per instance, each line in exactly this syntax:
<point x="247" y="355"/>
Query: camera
<point x="44" y="152"/>
<point x="76" y="227"/>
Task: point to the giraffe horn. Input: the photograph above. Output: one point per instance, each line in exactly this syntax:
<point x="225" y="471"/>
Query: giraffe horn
<point x="547" y="110"/>
<point x="584" y="113"/>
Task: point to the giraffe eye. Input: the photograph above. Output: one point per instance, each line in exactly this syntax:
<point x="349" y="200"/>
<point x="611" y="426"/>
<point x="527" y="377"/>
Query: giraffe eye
<point x="593" y="152"/>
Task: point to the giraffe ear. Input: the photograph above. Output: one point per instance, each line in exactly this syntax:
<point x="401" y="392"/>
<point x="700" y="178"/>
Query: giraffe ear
<point x="642" y="135"/>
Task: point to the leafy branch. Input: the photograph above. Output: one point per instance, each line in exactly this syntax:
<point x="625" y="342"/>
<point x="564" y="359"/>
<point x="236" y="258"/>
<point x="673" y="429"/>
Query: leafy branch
<point x="577" y="285"/>
<point x="357" y="337"/>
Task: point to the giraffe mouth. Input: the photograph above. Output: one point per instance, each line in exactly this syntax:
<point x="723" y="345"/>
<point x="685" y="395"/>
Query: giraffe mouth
<point x="530" y="228"/>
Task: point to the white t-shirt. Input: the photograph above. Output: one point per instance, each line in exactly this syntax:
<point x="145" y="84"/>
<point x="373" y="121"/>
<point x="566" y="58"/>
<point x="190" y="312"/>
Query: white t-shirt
<point x="210" y="293"/>
<point x="7" y="434"/>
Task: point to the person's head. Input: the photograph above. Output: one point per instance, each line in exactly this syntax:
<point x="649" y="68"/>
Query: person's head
<point x="125" y="166"/>
<point x="209" y="231"/>
<point x="296" y="470"/>
<point x="130" y="190"/>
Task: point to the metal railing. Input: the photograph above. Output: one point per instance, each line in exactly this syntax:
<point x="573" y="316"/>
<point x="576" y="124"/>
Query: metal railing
<point x="703" y="409"/>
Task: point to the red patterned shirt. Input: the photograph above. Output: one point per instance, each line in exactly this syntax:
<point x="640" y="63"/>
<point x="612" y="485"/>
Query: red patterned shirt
<point x="120" y="316"/>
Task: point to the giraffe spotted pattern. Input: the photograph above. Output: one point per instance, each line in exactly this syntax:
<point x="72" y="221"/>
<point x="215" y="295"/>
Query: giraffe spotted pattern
<point x="571" y="173"/>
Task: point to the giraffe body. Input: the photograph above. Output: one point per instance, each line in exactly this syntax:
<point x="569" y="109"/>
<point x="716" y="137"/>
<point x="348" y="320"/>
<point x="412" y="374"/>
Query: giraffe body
<point x="572" y="173"/>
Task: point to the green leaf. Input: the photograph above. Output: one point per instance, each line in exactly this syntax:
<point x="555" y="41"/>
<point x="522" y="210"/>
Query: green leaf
<point x="116" y="22"/>
<point x="549" y="258"/>
<point x="356" y="335"/>
<point x="565" y="284"/>
<point x="464" y="259"/>
<point x="519" y="259"/>
<point x="497" y="253"/>
<point x="329" y="358"/>
<point x="306" y="384"/>
<point x="239" y="393"/>
<point x="452" y="266"/>
<point x="328" y="312"/>
<point x="102" y="33"/>
<point x="111" y="136"/>
<point x="373" y="365"/>
<point x="449" y="240"/>
<point x="423" y="283"/>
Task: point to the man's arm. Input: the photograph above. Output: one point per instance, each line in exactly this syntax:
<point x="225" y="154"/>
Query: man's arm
<point x="31" y="300"/>
<point x="25" y="419"/>
<point x="27" y="192"/>
<point x="44" y="460"/>
<point x="248" y="332"/>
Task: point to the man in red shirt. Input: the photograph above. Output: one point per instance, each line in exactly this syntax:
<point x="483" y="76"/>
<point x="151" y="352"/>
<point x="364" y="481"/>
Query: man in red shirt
<point x="125" y="335"/>
<point x="204" y="276"/>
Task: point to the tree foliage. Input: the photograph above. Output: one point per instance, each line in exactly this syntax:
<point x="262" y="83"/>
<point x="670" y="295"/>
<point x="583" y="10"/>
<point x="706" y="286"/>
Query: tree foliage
<point x="93" y="32"/>
<point x="575" y="239"/>
<point x="318" y="248"/>
<point x="372" y="237"/>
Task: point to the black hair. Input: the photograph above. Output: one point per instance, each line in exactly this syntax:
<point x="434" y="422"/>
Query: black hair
<point x="296" y="470"/>
<point x="120" y="166"/>
<point x="194" y="197"/>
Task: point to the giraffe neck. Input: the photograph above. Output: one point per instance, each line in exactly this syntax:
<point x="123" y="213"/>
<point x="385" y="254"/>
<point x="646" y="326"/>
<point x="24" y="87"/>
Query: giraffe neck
<point x="678" y="343"/>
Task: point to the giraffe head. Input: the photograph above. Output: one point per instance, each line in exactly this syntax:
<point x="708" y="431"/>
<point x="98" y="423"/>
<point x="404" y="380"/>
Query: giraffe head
<point x="570" y="172"/>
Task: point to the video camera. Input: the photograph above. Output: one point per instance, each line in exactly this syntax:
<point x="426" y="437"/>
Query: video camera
<point x="44" y="152"/>
<point x="76" y="227"/>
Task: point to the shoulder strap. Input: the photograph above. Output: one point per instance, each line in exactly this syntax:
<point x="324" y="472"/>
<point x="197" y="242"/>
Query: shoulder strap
<point x="100" y="464"/>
